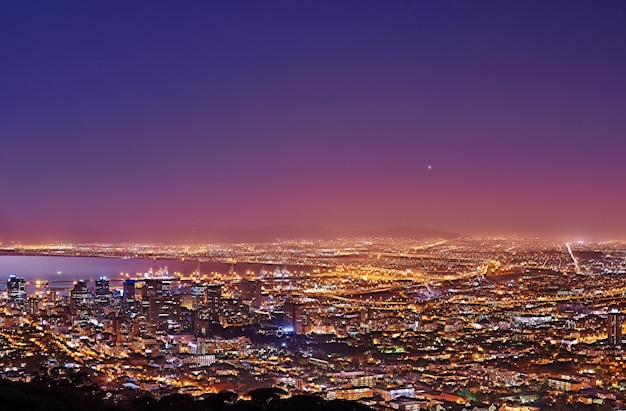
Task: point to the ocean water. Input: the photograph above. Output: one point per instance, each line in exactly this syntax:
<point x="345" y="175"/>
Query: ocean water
<point x="69" y="269"/>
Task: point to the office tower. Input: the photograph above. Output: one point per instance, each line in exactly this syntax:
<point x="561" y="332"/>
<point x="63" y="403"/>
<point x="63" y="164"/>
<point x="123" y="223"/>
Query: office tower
<point x="79" y="295"/>
<point x="295" y="318"/>
<point x="251" y="292"/>
<point x="129" y="292"/>
<point x="214" y="299"/>
<point x="32" y="305"/>
<point x="202" y="322"/>
<point x="16" y="289"/>
<point x="614" y="326"/>
<point x="198" y="294"/>
<point x="151" y="288"/>
<point x="103" y="292"/>
<point x="233" y="312"/>
<point x="164" y="312"/>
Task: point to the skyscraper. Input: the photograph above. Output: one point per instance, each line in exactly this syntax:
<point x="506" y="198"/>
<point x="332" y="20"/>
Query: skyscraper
<point x="164" y="311"/>
<point x="198" y="295"/>
<point x="251" y="292"/>
<point x="16" y="289"/>
<point x="79" y="295"/>
<point x="614" y="326"/>
<point x="214" y="299"/>
<point x="129" y="292"/>
<point x="153" y="287"/>
<point x="103" y="292"/>
<point x="294" y="317"/>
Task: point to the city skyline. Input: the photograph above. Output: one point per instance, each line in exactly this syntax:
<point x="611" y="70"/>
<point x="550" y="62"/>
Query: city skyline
<point x="481" y="118"/>
<point x="453" y="324"/>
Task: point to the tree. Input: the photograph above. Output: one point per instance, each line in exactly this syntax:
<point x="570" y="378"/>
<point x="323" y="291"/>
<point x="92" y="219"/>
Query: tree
<point x="344" y="405"/>
<point x="175" y="402"/>
<point x="218" y="401"/>
<point x="145" y="403"/>
<point x="302" y="403"/>
<point x="264" y="396"/>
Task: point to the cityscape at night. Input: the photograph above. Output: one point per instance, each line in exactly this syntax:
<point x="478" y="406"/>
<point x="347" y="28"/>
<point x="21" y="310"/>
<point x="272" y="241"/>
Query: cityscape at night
<point x="410" y="324"/>
<point x="318" y="205"/>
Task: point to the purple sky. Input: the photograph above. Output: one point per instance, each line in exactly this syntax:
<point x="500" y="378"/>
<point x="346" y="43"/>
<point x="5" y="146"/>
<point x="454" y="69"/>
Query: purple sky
<point x="117" y="115"/>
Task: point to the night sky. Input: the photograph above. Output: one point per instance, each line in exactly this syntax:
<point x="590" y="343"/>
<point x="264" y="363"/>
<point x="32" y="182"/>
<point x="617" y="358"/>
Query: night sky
<point x="503" y="117"/>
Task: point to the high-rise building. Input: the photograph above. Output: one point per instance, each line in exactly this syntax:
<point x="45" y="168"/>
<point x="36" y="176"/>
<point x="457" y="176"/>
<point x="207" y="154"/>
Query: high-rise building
<point x="153" y="287"/>
<point x="103" y="292"/>
<point x="295" y="318"/>
<point x="16" y="289"/>
<point x="79" y="295"/>
<point x="202" y="322"/>
<point x="233" y="311"/>
<point x="164" y="312"/>
<point x="214" y="299"/>
<point x="32" y="305"/>
<point x="251" y="292"/>
<point x="198" y="294"/>
<point x="129" y="292"/>
<point x="614" y="326"/>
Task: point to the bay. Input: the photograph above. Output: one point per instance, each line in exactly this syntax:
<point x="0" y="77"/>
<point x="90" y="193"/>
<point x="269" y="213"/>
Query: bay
<point x="56" y="269"/>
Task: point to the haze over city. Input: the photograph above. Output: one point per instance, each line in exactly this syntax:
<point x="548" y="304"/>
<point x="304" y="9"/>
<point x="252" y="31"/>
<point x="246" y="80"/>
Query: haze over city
<point x="483" y="117"/>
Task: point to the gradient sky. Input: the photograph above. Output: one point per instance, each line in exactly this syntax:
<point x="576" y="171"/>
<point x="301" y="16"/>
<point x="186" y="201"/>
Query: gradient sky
<point x="117" y="115"/>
